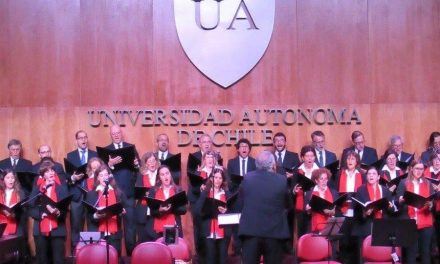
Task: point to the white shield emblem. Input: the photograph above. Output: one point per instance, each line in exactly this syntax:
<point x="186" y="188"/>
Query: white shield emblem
<point x="224" y="39"/>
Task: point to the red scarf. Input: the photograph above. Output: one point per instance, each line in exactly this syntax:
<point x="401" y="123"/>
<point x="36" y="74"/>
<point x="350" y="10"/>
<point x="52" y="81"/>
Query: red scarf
<point x="89" y="183"/>
<point x="41" y="180"/>
<point x="375" y="195"/>
<point x="343" y="187"/>
<point x="146" y="183"/>
<point x="424" y="216"/>
<point x="319" y="219"/>
<point x="11" y="222"/>
<point x="112" y="221"/>
<point x="299" y="204"/>
<point x="167" y="218"/>
<point x="49" y="223"/>
<point x="219" y="231"/>
<point x="428" y="173"/>
<point x="386" y="174"/>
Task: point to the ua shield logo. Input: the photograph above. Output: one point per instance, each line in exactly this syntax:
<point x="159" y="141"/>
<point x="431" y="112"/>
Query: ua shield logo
<point x="224" y="39"/>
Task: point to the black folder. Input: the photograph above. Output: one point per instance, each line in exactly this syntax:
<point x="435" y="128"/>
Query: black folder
<point x="333" y="168"/>
<point x="395" y="181"/>
<point x="434" y="181"/>
<point x="128" y="154"/>
<point x="193" y="162"/>
<point x="111" y="210"/>
<point x="377" y="205"/>
<point x="140" y="192"/>
<point x="210" y="206"/>
<point x="61" y="205"/>
<point x="14" y="208"/>
<point x="26" y="179"/>
<point x="378" y="164"/>
<point x="305" y="183"/>
<point x="318" y="204"/>
<point x="72" y="169"/>
<point x="173" y="162"/>
<point x="177" y="200"/>
<point x="195" y="179"/>
<point x="416" y="200"/>
<point x="236" y="178"/>
<point x="403" y="165"/>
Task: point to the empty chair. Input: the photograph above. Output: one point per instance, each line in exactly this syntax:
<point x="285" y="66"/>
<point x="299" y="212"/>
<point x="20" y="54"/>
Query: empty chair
<point x="96" y="253"/>
<point x="180" y="250"/>
<point x="151" y="252"/>
<point x="313" y="249"/>
<point x="376" y="254"/>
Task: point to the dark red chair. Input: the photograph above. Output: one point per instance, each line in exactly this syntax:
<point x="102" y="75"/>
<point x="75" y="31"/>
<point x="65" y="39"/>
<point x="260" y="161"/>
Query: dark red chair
<point x="96" y="253"/>
<point x="313" y="249"/>
<point x="180" y="250"/>
<point x="152" y="252"/>
<point x="375" y="254"/>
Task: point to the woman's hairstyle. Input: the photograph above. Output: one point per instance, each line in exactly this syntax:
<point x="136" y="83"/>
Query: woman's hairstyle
<point x="144" y="159"/>
<point x="89" y="164"/>
<point x="351" y="153"/>
<point x="16" y="187"/>
<point x="161" y="168"/>
<point x="317" y="173"/>
<point x="45" y="166"/>
<point x="307" y="148"/>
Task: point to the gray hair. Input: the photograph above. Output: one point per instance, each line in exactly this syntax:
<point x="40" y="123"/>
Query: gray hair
<point x="394" y="138"/>
<point x="265" y="161"/>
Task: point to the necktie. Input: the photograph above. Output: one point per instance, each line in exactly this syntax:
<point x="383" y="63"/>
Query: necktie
<point x="321" y="159"/>
<point x="83" y="157"/>
<point x="279" y="160"/>
<point x="243" y="167"/>
<point x="162" y="156"/>
<point x="15" y="163"/>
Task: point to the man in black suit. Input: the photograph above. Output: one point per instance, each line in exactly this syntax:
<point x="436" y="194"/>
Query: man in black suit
<point x="45" y="153"/>
<point x="78" y="157"/>
<point x="396" y="144"/>
<point x="125" y="179"/>
<point x="433" y="147"/>
<point x="239" y="165"/>
<point x="367" y="155"/>
<point x="283" y="157"/>
<point x="323" y="156"/>
<point x="263" y="224"/>
<point x="15" y="161"/>
<point x="163" y="143"/>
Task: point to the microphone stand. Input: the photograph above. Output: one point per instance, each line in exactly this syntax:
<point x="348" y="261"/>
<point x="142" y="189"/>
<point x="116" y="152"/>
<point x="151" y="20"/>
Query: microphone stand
<point x="107" y="234"/>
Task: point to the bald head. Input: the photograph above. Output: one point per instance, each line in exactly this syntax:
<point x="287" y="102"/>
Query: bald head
<point x="116" y="134"/>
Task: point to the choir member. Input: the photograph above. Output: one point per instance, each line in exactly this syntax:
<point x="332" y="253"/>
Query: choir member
<point x="367" y="155"/>
<point x="15" y="160"/>
<point x="283" y="157"/>
<point x="216" y="237"/>
<point x="396" y="143"/>
<point x="433" y="172"/>
<point x="11" y="194"/>
<point x="166" y="215"/>
<point x="49" y="225"/>
<point x="320" y="177"/>
<point x="349" y="179"/>
<point x="106" y="193"/>
<point x="324" y="156"/>
<point x="433" y="146"/>
<point x="147" y="177"/>
<point x="390" y="170"/>
<point x="306" y="168"/>
<point x="416" y="183"/>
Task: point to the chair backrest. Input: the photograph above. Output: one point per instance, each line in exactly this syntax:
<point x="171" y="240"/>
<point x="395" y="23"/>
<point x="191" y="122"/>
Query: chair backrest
<point x="313" y="248"/>
<point x="376" y="253"/>
<point x="151" y="252"/>
<point x="180" y="250"/>
<point x="96" y="253"/>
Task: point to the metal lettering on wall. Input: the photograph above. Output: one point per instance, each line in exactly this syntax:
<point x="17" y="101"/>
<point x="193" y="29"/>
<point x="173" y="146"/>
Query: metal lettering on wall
<point x="224" y="39"/>
<point x="252" y="123"/>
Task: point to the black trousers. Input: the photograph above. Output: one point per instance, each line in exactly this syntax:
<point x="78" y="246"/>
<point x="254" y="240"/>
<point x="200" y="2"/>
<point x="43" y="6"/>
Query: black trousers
<point x="255" y="247"/>
<point x="216" y="250"/>
<point x="77" y="222"/>
<point x="130" y="226"/>
<point x="421" y="247"/>
<point x="50" y="249"/>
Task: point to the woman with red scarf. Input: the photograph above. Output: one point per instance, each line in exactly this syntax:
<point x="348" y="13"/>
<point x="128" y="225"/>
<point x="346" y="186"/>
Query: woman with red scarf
<point x="433" y="172"/>
<point x="11" y="194"/>
<point x="106" y="193"/>
<point x="166" y="215"/>
<point x="349" y="179"/>
<point x="49" y="225"/>
<point x="147" y="177"/>
<point x="416" y="183"/>
<point x="390" y="171"/>
<point x="216" y="237"/>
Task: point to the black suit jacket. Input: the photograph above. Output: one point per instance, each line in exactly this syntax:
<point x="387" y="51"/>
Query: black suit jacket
<point x="22" y="164"/>
<point x="74" y="157"/>
<point x="363" y="224"/>
<point x="35" y="211"/>
<point x="169" y="155"/>
<point x="426" y="155"/>
<point x="368" y="157"/>
<point x="234" y="168"/>
<point x="125" y="178"/>
<point x="290" y="160"/>
<point x="265" y="201"/>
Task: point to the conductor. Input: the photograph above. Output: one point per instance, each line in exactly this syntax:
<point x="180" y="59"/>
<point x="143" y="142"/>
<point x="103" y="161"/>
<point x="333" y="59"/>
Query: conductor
<point x="263" y="224"/>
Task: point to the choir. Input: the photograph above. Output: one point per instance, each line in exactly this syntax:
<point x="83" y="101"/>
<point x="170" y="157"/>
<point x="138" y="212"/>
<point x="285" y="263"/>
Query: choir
<point x="116" y="193"/>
